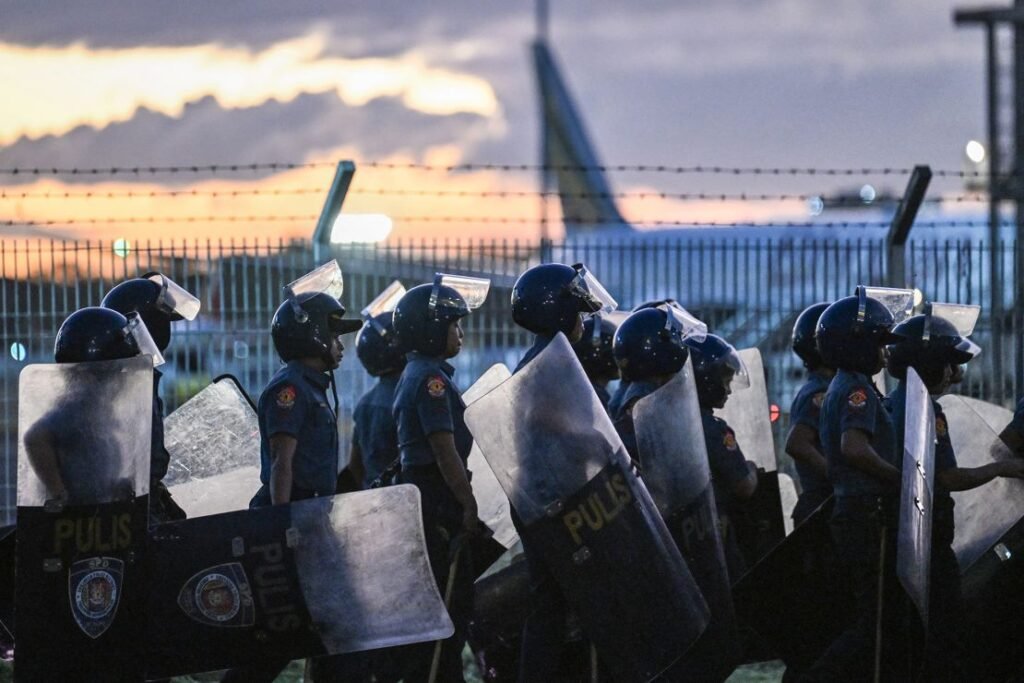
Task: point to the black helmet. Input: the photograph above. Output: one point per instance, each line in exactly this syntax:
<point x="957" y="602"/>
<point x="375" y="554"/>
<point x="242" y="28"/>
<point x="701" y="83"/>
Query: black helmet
<point x="929" y="343"/>
<point x="648" y="344"/>
<point x="804" y="345"/>
<point x="96" y="333"/>
<point x="549" y="298"/>
<point x="377" y="346"/>
<point x="305" y="326"/>
<point x="423" y="315"/>
<point x="716" y="367"/>
<point x="852" y="330"/>
<point x="594" y="349"/>
<point x="158" y="299"/>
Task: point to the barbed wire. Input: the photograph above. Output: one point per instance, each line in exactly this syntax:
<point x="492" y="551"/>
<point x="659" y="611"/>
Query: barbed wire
<point x="452" y="168"/>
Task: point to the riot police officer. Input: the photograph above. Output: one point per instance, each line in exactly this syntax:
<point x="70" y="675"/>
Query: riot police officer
<point x="159" y="301"/>
<point x="594" y="351"/>
<point x="549" y="299"/>
<point x="434" y="445"/>
<point x="859" y="445"/>
<point x="716" y="366"/>
<point x="615" y="402"/>
<point x="803" y="443"/>
<point x="374" y="434"/>
<point x="936" y="349"/>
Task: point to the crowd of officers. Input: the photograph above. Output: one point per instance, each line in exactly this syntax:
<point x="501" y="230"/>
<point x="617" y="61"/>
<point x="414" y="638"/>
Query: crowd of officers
<point x="846" y="437"/>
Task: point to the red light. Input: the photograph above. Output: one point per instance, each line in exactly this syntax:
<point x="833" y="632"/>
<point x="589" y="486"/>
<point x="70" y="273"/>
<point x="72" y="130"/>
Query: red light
<point x="774" y="412"/>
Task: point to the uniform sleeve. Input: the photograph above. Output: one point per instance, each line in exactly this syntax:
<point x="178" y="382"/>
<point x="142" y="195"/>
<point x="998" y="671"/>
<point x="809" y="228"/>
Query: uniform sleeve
<point x="806" y="409"/>
<point x="433" y="405"/>
<point x="945" y="457"/>
<point x="286" y="406"/>
<point x="728" y="466"/>
<point x="859" y="410"/>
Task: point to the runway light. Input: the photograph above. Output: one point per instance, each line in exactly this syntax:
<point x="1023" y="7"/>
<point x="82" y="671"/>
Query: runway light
<point x="360" y="227"/>
<point x="815" y="205"/>
<point x="18" y="351"/>
<point x="122" y="247"/>
<point x="773" y="412"/>
<point x="975" y="151"/>
<point x="868" y="194"/>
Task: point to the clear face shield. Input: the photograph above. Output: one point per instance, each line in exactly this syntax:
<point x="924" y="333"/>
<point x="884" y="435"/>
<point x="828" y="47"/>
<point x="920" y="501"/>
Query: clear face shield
<point x="900" y="302"/>
<point x="473" y="291"/>
<point x="384" y="303"/>
<point x="136" y="329"/>
<point x="325" y="279"/>
<point x="734" y="370"/>
<point x="591" y="292"/>
<point x="174" y="300"/>
<point x="680" y="321"/>
<point x="963" y="317"/>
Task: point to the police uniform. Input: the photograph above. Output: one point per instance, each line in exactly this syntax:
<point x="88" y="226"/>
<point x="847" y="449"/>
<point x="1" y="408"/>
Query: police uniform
<point x="615" y="402"/>
<point x="728" y="468"/>
<point x="162" y="507"/>
<point x="1017" y="423"/>
<point x="864" y="508"/>
<point x="806" y="410"/>
<point x="945" y="651"/>
<point x="602" y="394"/>
<point x="295" y="403"/>
<point x="623" y="420"/>
<point x="374" y="431"/>
<point x="428" y="402"/>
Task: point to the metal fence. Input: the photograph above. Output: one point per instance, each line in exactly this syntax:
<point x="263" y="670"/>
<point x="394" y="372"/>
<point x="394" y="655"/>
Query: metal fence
<point x="748" y="290"/>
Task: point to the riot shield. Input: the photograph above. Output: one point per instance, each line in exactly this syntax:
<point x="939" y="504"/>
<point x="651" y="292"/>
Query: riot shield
<point x="761" y="524"/>
<point x="214" y="443"/>
<point x="83" y="495"/>
<point x="674" y="461"/>
<point x="320" y="576"/>
<point x="492" y="502"/>
<point x="914" y="540"/>
<point x="556" y="454"/>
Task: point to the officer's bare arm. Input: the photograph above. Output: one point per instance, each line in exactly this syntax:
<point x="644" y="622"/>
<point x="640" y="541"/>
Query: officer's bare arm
<point x="355" y="464"/>
<point x="1013" y="439"/>
<point x="450" y="464"/>
<point x="282" y="452"/>
<point x="859" y="454"/>
<point x="966" y="478"/>
<point x="43" y="457"/>
<point x="746" y="487"/>
<point x="800" y="445"/>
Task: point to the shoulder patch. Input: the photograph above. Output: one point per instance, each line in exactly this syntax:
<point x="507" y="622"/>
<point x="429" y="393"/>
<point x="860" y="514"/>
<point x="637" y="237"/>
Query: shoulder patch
<point x="729" y="440"/>
<point x="941" y="429"/>
<point x="436" y="386"/>
<point x="285" y="397"/>
<point x="818" y="399"/>
<point x="857" y="398"/>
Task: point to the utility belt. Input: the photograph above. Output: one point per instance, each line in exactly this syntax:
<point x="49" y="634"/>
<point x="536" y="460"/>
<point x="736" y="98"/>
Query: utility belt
<point x="881" y="508"/>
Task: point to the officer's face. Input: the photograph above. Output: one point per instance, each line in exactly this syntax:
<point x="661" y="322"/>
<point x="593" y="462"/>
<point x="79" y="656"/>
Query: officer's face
<point x="454" y="342"/>
<point x="956" y="373"/>
<point x="577" y="331"/>
<point x="336" y="352"/>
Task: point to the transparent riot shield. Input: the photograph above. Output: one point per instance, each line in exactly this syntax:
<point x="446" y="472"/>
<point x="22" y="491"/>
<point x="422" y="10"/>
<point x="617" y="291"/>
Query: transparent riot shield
<point x="674" y="462"/>
<point x="761" y="524"/>
<point x="491" y="500"/>
<point x="214" y="443"/>
<point x="322" y="576"/>
<point x="83" y="485"/>
<point x="556" y="454"/>
<point x="914" y="539"/>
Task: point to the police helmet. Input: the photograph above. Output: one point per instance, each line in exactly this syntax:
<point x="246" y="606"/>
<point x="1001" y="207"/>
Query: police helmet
<point x="423" y="315"/>
<point x="95" y="333"/>
<point x="305" y="326"/>
<point x="158" y="299"/>
<point x="549" y="298"/>
<point x="851" y="331"/>
<point x="929" y="343"/>
<point x="716" y="367"/>
<point x="804" y="345"/>
<point x="594" y="349"/>
<point x="377" y="346"/>
<point x="647" y="344"/>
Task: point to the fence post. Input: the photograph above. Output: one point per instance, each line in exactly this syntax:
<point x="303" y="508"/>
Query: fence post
<point x="332" y="207"/>
<point x="902" y="222"/>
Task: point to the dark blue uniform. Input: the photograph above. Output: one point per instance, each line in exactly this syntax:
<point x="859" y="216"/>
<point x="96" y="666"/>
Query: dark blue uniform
<point x="602" y="394"/>
<point x="865" y="508"/>
<point x="806" y="410"/>
<point x="945" y="653"/>
<point x="295" y="403"/>
<point x="623" y="418"/>
<point x="615" y="402"/>
<point x="728" y="468"/>
<point x="374" y="430"/>
<point x="1018" y="417"/>
<point x="428" y="402"/>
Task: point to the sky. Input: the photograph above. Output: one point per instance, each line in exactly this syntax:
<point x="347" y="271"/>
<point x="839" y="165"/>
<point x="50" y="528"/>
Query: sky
<point x="752" y="83"/>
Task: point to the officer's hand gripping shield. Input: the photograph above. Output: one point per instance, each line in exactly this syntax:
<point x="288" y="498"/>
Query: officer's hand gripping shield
<point x="674" y="460"/>
<point x="174" y="300"/>
<point x="83" y="485"/>
<point x="327" y="575"/>
<point x="556" y="454"/>
<point x="214" y="443"/>
<point x="914" y="539"/>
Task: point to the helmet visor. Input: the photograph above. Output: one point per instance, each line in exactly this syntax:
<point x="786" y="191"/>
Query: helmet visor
<point x="963" y="317"/>
<point x="472" y="289"/>
<point x="900" y="302"/>
<point x="589" y="290"/>
<point x="137" y="330"/>
<point x="733" y="363"/>
<point x="325" y="279"/>
<point x="685" y="323"/>
<point x="174" y="300"/>
<point x="385" y="301"/>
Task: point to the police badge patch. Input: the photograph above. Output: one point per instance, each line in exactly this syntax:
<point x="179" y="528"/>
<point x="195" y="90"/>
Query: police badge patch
<point x="285" y="397"/>
<point x="219" y="596"/>
<point x="818" y="399"/>
<point x="941" y="430"/>
<point x="729" y="440"/>
<point x="94" y="586"/>
<point x="435" y="387"/>
<point x="857" y="399"/>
